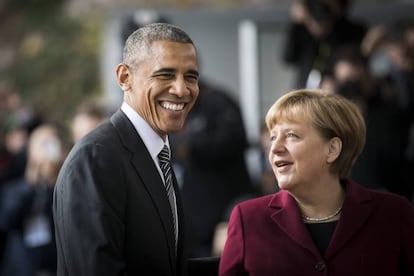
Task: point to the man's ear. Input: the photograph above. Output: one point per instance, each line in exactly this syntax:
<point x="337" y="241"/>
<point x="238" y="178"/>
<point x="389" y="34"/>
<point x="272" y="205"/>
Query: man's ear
<point x="334" y="149"/>
<point x="123" y="76"/>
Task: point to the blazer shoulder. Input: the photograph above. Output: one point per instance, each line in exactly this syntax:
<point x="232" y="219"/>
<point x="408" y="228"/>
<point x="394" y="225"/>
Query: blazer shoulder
<point x="257" y="203"/>
<point x="390" y="200"/>
<point x="382" y="199"/>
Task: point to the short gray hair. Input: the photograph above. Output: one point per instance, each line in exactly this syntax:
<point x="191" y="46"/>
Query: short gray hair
<point x="137" y="44"/>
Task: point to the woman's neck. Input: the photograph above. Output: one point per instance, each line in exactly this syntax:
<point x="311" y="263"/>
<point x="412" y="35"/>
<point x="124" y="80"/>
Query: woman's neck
<point x="323" y="203"/>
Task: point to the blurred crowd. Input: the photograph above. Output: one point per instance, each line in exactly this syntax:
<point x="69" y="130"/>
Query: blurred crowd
<point x="329" y="49"/>
<point x="32" y="151"/>
<point x="373" y="66"/>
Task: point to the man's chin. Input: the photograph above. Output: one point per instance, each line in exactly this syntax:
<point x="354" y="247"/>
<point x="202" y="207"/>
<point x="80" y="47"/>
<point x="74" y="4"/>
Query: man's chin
<point x="174" y="127"/>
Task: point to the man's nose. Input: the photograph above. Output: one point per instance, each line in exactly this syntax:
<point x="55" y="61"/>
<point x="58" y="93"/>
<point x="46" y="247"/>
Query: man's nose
<point x="179" y="87"/>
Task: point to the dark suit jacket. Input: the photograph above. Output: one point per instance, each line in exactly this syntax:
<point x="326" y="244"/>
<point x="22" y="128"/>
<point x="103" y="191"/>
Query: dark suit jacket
<point x="112" y="214"/>
<point x="374" y="236"/>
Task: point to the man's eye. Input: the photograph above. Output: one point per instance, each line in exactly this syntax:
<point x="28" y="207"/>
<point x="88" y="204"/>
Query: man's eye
<point x="192" y="78"/>
<point x="165" y="76"/>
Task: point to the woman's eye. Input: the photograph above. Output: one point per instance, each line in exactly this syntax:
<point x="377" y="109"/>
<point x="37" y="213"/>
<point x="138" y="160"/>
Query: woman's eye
<point x="291" y="134"/>
<point x="273" y="138"/>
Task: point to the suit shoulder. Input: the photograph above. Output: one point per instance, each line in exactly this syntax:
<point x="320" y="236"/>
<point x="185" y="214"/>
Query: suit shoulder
<point x="100" y="142"/>
<point x="100" y="134"/>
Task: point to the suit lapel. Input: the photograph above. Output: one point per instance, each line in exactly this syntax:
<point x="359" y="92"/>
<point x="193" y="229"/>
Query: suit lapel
<point x="146" y="170"/>
<point x="357" y="207"/>
<point x="181" y="222"/>
<point x="285" y="213"/>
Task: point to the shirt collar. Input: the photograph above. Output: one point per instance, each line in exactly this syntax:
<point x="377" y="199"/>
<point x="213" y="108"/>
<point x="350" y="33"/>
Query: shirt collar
<point x="151" y="139"/>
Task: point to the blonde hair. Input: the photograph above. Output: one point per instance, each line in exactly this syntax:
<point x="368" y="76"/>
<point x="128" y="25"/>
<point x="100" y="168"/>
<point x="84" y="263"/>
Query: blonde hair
<point x="331" y="114"/>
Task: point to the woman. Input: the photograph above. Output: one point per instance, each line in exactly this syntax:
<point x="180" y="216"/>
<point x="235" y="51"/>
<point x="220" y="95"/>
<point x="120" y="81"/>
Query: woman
<point x="320" y="222"/>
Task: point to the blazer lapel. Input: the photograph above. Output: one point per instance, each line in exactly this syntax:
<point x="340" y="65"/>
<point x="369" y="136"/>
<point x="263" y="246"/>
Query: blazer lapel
<point x="356" y="209"/>
<point x="147" y="171"/>
<point x="285" y="213"/>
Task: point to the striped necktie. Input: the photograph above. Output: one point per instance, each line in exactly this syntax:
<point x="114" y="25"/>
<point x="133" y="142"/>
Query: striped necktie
<point x="165" y="165"/>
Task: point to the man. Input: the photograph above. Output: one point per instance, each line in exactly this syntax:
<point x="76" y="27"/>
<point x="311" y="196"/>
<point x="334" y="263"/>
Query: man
<point x="112" y="211"/>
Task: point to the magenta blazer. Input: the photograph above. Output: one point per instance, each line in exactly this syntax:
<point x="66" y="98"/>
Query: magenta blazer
<point x="374" y="236"/>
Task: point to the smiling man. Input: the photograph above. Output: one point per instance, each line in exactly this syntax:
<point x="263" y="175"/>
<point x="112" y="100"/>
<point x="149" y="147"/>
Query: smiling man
<point x="117" y="212"/>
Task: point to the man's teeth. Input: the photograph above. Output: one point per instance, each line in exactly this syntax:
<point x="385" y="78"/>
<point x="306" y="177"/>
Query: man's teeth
<point x="172" y="106"/>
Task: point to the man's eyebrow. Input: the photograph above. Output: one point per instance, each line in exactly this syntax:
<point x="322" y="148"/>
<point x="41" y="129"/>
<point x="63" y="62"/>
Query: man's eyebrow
<point x="172" y="70"/>
<point x="165" y="70"/>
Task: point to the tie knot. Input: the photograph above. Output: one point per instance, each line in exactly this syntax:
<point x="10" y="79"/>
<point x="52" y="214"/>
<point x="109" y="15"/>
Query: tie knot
<point x="164" y="155"/>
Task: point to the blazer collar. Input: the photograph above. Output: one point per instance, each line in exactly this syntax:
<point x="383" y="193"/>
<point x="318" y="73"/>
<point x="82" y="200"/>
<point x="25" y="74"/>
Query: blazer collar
<point x="285" y="213"/>
<point x="144" y="165"/>
<point x="356" y="209"/>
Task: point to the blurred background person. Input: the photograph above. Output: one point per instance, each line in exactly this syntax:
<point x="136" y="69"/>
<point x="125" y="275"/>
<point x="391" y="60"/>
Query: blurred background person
<point x="268" y="183"/>
<point x="380" y="164"/>
<point x="399" y="47"/>
<point x="17" y="120"/>
<point x="26" y="207"/>
<point x="88" y="116"/>
<point x="395" y="40"/>
<point x="210" y="152"/>
<point x="316" y="30"/>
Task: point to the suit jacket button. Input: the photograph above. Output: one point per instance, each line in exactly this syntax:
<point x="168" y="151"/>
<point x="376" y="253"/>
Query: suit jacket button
<point x="320" y="267"/>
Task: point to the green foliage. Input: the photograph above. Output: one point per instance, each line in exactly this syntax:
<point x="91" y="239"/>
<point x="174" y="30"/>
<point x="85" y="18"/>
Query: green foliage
<point x="56" y="65"/>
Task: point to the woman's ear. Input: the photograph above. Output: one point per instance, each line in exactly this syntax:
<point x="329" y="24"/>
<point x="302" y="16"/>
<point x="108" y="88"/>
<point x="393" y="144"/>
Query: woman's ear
<point x="123" y="76"/>
<point x="334" y="149"/>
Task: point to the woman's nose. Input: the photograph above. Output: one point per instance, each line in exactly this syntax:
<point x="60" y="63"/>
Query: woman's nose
<point x="277" y="146"/>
